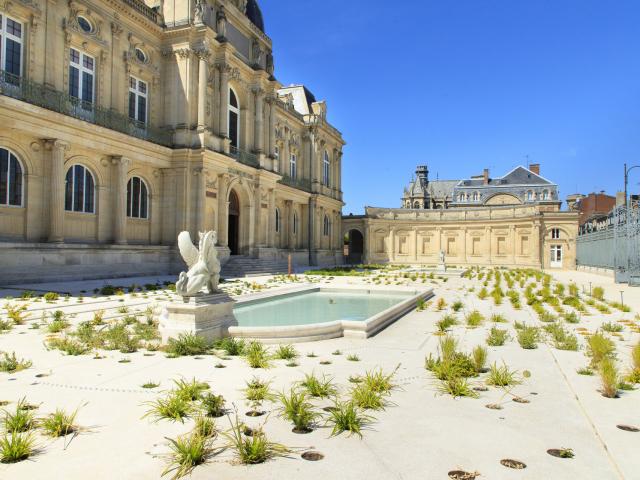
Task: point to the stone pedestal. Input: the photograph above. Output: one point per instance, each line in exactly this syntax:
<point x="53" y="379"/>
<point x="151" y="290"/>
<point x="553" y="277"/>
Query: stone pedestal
<point x="442" y="268"/>
<point x="208" y="316"/>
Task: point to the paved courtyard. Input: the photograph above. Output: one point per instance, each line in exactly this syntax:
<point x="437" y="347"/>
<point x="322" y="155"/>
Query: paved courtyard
<point x="421" y="434"/>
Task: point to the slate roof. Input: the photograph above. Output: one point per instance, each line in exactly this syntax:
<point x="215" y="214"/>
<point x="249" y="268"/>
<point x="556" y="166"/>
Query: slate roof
<point x="518" y="176"/>
<point x="435" y="188"/>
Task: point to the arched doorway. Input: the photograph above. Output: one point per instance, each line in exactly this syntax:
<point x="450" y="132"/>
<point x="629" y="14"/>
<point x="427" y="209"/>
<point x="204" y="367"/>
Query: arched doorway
<point x="355" y="245"/>
<point x="234" y="223"/>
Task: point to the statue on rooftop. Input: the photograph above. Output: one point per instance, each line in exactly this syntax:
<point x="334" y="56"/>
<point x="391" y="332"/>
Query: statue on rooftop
<point x="203" y="264"/>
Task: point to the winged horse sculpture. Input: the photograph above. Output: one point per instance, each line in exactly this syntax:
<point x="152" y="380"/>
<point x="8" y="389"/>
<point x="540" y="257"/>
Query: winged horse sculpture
<point x="203" y="264"/>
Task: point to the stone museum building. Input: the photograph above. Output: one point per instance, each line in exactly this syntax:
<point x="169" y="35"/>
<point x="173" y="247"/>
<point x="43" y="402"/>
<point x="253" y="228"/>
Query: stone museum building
<point x="512" y="221"/>
<point x="520" y="186"/>
<point x="124" y="122"/>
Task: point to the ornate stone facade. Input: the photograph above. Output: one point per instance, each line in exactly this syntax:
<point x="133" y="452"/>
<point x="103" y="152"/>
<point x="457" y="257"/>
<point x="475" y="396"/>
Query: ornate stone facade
<point x="520" y="186"/>
<point x="127" y="124"/>
<point x="513" y="236"/>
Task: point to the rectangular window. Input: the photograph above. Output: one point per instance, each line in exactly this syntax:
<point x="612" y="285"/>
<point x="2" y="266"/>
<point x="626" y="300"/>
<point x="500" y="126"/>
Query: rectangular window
<point x="524" y="245"/>
<point x="4" y="170"/>
<point x="276" y="155"/>
<point x="326" y="171"/>
<point x="380" y="245"/>
<point x="293" y="166"/>
<point x="138" y="100"/>
<point x="451" y="246"/>
<point x="11" y="34"/>
<point x="555" y="233"/>
<point x="81" y="77"/>
<point x="426" y="245"/>
<point x="502" y="246"/>
<point x="403" y="245"/>
<point x="475" y="246"/>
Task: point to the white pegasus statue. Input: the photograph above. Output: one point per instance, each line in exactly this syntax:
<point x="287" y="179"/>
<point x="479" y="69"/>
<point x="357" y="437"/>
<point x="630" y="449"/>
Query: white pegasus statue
<point x="203" y="264"/>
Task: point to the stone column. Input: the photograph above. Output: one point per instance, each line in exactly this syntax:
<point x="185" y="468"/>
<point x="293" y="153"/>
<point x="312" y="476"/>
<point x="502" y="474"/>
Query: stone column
<point x="224" y="101"/>
<point x="464" y="245"/>
<point x="536" y="256"/>
<point x="512" y="235"/>
<point x="258" y="129"/>
<point x="339" y="172"/>
<point x="284" y="158"/>
<point x="200" y="192"/>
<point x="271" y="218"/>
<point x="56" y="205"/>
<point x="117" y="100"/>
<point x="121" y="165"/>
<point x="272" y="127"/>
<point x="392" y="244"/>
<point x="223" y="210"/>
<point x="203" y="55"/>
<point x="313" y="254"/>
<point x="289" y="209"/>
<point x="415" y="245"/>
<point x="438" y="242"/>
<point x="487" y="234"/>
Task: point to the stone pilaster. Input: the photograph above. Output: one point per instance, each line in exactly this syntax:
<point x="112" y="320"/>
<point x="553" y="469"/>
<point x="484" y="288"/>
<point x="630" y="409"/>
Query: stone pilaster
<point x="200" y="191"/>
<point x="272" y="127"/>
<point x="271" y="222"/>
<point x="121" y="165"/>
<point x="203" y="68"/>
<point x="313" y="245"/>
<point x="223" y="128"/>
<point x="223" y="210"/>
<point x="290" y="237"/>
<point x="258" y="129"/>
<point x="56" y="206"/>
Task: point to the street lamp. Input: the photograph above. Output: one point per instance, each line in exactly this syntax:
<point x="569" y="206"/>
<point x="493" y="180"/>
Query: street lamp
<point x="626" y="180"/>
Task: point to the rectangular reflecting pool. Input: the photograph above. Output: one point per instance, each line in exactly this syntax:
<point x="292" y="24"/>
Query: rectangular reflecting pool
<point x="316" y="307"/>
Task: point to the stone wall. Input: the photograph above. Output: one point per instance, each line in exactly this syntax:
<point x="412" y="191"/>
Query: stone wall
<point x="497" y="236"/>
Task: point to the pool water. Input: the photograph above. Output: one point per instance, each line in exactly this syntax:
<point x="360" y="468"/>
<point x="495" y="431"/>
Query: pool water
<point x="315" y="307"/>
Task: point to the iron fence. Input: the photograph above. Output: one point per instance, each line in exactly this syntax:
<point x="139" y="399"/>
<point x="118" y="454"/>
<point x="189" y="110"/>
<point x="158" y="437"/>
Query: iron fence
<point x="615" y="245"/>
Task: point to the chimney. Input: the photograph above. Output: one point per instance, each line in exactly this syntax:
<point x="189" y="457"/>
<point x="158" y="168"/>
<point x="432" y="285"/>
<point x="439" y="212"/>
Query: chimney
<point x="485" y="176"/>
<point x="535" y="168"/>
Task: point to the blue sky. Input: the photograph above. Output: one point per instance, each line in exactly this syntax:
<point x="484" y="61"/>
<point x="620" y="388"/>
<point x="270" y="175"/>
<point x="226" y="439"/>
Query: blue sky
<point x="461" y="85"/>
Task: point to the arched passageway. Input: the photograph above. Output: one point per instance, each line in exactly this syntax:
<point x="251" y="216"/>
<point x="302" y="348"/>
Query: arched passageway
<point x="234" y="223"/>
<point x="355" y="247"/>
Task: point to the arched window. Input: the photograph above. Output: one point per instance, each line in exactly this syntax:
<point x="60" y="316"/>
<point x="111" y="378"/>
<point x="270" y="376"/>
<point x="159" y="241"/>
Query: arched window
<point x="278" y="220"/>
<point x="293" y="166"/>
<point x="79" y="190"/>
<point x="295" y="223"/>
<point x="461" y="197"/>
<point x="10" y="179"/>
<point x="327" y="226"/>
<point x="137" y="198"/>
<point x="530" y="195"/>
<point x="234" y="119"/>
<point x="545" y="194"/>
<point x="326" y="169"/>
<point x="476" y="196"/>
<point x="416" y="204"/>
